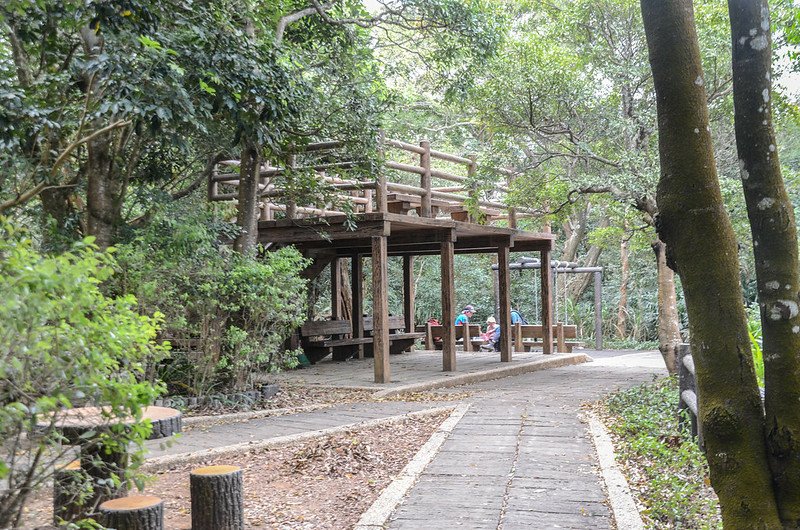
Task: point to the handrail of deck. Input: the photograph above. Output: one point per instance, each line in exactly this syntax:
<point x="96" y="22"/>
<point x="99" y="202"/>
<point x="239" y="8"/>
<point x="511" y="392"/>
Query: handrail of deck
<point x="372" y="196"/>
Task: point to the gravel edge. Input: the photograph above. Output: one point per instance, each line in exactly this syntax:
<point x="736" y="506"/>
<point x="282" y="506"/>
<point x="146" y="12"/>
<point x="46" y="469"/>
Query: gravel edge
<point x="623" y="506"/>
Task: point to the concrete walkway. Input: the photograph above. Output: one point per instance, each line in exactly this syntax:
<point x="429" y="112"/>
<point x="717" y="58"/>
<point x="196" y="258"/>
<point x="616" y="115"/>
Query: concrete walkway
<point x="519" y="458"/>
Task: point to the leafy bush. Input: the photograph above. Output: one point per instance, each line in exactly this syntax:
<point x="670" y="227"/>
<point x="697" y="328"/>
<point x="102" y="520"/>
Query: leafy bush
<point x="226" y="315"/>
<point x="665" y="465"/>
<point x="63" y="344"/>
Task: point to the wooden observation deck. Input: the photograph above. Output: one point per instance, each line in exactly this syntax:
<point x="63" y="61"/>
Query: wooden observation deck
<point x="391" y="217"/>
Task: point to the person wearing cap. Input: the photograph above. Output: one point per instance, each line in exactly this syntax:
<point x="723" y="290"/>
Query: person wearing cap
<point x="491" y="324"/>
<point x="465" y="315"/>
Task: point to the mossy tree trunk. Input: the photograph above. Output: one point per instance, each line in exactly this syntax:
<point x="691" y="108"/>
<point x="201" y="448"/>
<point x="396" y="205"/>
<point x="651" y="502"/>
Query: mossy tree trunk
<point x="247" y="216"/>
<point x="772" y="224"/>
<point x="702" y="248"/>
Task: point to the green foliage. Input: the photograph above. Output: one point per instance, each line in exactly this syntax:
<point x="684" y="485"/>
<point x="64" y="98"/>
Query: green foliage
<point x="671" y="473"/>
<point x="226" y="314"/>
<point x="63" y="344"/>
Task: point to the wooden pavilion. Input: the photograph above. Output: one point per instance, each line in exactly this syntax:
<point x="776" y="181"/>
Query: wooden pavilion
<point x="394" y="219"/>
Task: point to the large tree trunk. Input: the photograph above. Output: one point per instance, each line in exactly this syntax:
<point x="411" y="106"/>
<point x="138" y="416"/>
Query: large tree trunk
<point x="105" y="190"/>
<point x="622" y="305"/>
<point x="247" y="215"/>
<point x="774" y="232"/>
<point x="669" y="329"/>
<point x="701" y="247"/>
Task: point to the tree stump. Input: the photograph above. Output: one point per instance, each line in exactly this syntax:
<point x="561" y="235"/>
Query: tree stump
<point x="217" y="498"/>
<point x="137" y="512"/>
<point x="68" y="482"/>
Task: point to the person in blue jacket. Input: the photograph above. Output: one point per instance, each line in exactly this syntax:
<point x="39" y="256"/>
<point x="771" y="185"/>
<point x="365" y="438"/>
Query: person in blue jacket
<point x="465" y="315"/>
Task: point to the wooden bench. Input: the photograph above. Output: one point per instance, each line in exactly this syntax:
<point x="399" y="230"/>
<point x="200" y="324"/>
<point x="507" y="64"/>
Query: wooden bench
<point x="531" y="335"/>
<point x="399" y="340"/>
<point x="470" y="334"/>
<point x="334" y="337"/>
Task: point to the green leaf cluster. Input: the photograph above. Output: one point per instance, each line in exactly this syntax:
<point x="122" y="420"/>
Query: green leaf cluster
<point x="63" y="344"/>
<point x="226" y="314"/>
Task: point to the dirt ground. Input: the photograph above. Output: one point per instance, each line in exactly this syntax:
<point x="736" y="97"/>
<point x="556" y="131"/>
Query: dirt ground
<point x="325" y="483"/>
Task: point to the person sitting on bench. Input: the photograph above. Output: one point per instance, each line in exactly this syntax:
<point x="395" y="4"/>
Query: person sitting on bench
<point x="465" y="315"/>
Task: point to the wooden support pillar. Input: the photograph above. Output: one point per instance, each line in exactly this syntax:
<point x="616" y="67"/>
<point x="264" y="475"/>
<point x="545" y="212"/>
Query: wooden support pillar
<point x="448" y="306"/>
<point x="380" y="308"/>
<point x="504" y="281"/>
<point x="547" y="302"/>
<point x="598" y="311"/>
<point x="336" y="289"/>
<point x="357" y="283"/>
<point x="562" y="347"/>
<point x="425" y="179"/>
<point x="408" y="293"/>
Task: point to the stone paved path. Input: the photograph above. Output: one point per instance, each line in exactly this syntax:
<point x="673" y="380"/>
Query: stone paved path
<point x="520" y="457"/>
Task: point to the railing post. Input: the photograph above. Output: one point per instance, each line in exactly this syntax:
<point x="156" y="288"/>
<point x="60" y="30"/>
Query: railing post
<point x="425" y="178"/>
<point x="291" y="205"/>
<point x="368" y="205"/>
<point x="263" y="184"/>
<point x="512" y="217"/>
<point x="380" y="191"/>
<point x="473" y="191"/>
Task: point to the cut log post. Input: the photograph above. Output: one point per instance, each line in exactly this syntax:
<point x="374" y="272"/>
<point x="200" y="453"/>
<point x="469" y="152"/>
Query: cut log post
<point x="217" y="498"/>
<point x="137" y="512"/>
<point x="67" y="485"/>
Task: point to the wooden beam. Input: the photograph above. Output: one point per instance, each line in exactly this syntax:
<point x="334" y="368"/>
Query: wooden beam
<point x="336" y="289"/>
<point x="320" y="232"/>
<point x="357" y="283"/>
<point x="547" y="302"/>
<point x="408" y="293"/>
<point x="380" y="309"/>
<point x="504" y="280"/>
<point x="448" y="307"/>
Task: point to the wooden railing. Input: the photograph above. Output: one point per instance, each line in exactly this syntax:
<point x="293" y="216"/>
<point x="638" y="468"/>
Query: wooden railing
<point x="461" y="198"/>
<point x="687" y="386"/>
